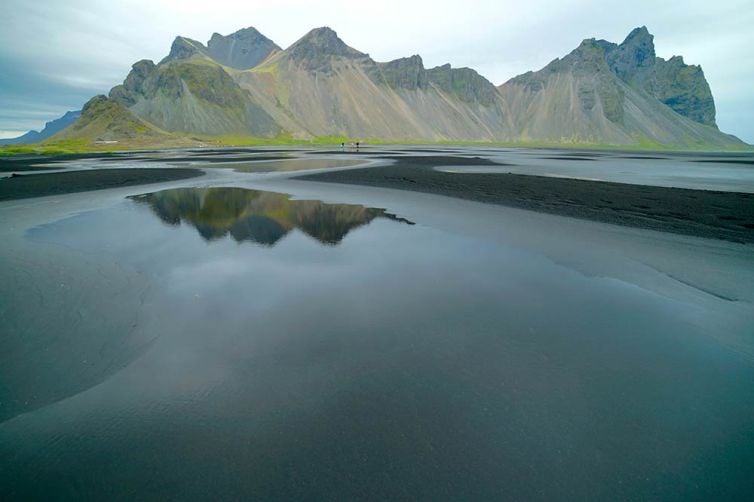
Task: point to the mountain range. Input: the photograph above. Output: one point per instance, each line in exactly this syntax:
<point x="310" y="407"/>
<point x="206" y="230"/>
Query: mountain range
<point x="51" y="128"/>
<point x="245" y="85"/>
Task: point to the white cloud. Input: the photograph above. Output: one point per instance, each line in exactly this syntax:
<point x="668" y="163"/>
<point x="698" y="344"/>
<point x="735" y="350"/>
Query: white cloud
<point x="11" y="134"/>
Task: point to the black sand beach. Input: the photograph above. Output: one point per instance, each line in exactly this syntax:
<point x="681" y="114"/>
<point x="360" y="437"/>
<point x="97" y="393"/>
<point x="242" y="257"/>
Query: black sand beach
<point x="702" y="213"/>
<point x="34" y="162"/>
<point x="38" y="185"/>
<point x="213" y="338"/>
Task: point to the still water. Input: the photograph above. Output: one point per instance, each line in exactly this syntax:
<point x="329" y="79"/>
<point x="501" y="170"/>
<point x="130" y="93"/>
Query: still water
<point x="219" y="343"/>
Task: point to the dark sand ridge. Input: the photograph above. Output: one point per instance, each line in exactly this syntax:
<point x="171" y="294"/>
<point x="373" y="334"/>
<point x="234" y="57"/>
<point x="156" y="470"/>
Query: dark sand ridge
<point x="221" y="159"/>
<point x="718" y="215"/>
<point x="37" y="185"/>
<point x="43" y="162"/>
<point x="351" y="151"/>
<point x="749" y="162"/>
<point x="39" y="162"/>
<point x="233" y="151"/>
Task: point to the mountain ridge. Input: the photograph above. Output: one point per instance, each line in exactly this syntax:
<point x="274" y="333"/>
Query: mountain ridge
<point x="51" y="128"/>
<point x="244" y="84"/>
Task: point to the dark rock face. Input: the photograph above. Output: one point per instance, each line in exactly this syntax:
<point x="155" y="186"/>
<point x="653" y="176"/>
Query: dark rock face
<point x="403" y="73"/>
<point x="464" y="83"/>
<point x="637" y="52"/>
<point x="681" y="87"/>
<point x="210" y="83"/>
<point x="133" y="86"/>
<point x="595" y="79"/>
<point x="409" y="73"/>
<point x="596" y="63"/>
<point x="242" y="50"/>
<point x="152" y="92"/>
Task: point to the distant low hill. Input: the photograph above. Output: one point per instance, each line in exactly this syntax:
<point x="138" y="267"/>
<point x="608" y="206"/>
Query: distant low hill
<point x="246" y="85"/>
<point x="50" y="128"/>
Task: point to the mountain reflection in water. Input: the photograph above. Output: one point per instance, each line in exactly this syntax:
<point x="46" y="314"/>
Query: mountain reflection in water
<point x="257" y="216"/>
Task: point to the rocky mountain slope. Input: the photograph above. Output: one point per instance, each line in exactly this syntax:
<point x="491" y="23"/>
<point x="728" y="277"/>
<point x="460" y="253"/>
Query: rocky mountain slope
<point x="105" y="119"/>
<point x="617" y="94"/>
<point x="321" y="87"/>
<point x="244" y="84"/>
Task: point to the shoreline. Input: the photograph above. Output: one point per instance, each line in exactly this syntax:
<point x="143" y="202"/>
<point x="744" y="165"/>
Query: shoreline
<point x="696" y="212"/>
<point x="701" y="213"/>
<point x="10" y="152"/>
<point x="39" y="185"/>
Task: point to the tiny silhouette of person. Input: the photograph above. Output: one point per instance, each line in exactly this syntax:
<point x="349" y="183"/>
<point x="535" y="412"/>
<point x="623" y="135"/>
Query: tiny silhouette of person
<point x="357" y="146"/>
<point x="343" y="146"/>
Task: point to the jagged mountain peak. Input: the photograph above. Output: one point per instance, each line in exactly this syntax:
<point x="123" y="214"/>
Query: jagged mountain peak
<point x="242" y="50"/>
<point x="322" y="41"/>
<point x="324" y="35"/>
<point x="601" y="92"/>
<point x="637" y="51"/>
<point x="243" y="33"/>
<point x="316" y="50"/>
<point x="640" y="35"/>
<point x="184" y="48"/>
<point x="415" y="61"/>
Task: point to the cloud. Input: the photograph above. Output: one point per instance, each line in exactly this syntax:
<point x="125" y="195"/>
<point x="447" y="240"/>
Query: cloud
<point x="58" y="54"/>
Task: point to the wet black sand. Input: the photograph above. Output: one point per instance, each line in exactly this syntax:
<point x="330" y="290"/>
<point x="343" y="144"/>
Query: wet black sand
<point x="349" y="151"/>
<point x="37" y="185"/>
<point x="221" y="159"/>
<point x="718" y="215"/>
<point x="746" y="162"/>
<point x="11" y="163"/>
<point x="440" y="160"/>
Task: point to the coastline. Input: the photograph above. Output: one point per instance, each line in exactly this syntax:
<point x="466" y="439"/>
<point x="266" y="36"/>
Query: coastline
<point x="40" y="185"/>
<point x="700" y="213"/>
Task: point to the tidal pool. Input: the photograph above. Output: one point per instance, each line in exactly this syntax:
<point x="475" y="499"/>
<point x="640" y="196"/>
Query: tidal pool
<point x="256" y="216"/>
<point x="299" y="164"/>
<point x="671" y="170"/>
<point x="234" y="343"/>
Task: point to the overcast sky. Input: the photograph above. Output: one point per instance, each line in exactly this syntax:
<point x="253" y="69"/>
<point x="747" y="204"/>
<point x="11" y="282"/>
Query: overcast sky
<point x="55" y="55"/>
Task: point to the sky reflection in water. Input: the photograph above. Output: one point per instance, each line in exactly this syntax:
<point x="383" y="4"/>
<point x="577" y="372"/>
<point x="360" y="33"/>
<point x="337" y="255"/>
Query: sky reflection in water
<point x="404" y="361"/>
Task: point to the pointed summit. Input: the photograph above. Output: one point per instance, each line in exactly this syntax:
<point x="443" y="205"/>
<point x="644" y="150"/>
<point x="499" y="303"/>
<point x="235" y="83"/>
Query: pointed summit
<point x="640" y="35"/>
<point x="326" y="40"/>
<point x="184" y="48"/>
<point x="637" y="51"/>
<point x="242" y="50"/>
<point x="315" y="50"/>
<point x="242" y="85"/>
